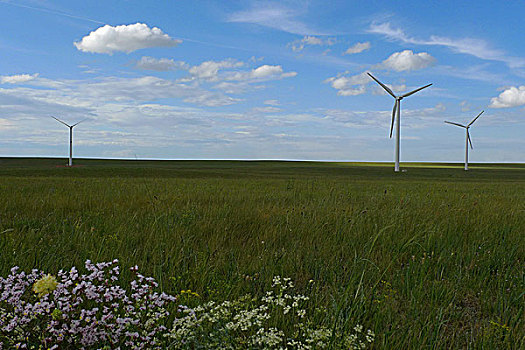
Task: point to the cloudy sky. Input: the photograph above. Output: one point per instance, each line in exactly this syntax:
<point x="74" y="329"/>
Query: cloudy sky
<point x="261" y="79"/>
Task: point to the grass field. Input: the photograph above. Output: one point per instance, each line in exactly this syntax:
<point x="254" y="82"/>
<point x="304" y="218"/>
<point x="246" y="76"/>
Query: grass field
<point x="430" y="258"/>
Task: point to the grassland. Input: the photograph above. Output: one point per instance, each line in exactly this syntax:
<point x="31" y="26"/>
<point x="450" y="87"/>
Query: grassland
<point x="430" y="258"/>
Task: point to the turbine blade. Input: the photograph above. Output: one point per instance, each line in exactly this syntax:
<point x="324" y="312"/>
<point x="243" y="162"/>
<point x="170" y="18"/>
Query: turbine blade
<point x="463" y="126"/>
<point x="472" y="122"/>
<point x="416" y="90"/>
<point x="383" y="85"/>
<point x="394" y="111"/>
<point x="58" y="120"/>
<point x="83" y="120"/>
<point x="469" y="141"/>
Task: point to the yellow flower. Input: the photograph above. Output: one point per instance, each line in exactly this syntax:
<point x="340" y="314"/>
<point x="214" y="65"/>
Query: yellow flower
<point x="189" y="292"/>
<point x="45" y="285"/>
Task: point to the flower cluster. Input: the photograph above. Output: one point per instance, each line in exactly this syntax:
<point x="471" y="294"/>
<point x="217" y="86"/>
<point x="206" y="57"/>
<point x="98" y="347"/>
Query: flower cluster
<point x="81" y="311"/>
<point x="259" y="323"/>
<point x="45" y="285"/>
<point x="92" y="311"/>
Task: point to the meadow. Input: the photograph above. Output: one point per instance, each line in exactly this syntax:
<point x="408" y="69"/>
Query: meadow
<point x="430" y="258"/>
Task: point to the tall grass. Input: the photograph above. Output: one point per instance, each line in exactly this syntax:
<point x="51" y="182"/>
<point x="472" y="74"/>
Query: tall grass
<point x="433" y="258"/>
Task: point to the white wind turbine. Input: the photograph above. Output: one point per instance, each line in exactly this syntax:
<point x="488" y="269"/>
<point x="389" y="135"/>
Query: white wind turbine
<point x="467" y="137"/>
<point x="396" y="110"/>
<point x="70" y="138"/>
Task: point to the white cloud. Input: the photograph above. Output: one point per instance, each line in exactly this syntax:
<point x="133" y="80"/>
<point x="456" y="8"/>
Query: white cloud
<point x="298" y="45"/>
<point x="233" y="87"/>
<point x="358" y="48"/>
<point x="159" y="64"/>
<point x="210" y="100"/>
<point x="407" y="60"/>
<point x="6" y="124"/>
<point x="511" y="97"/>
<point x="150" y="88"/>
<point x="313" y="40"/>
<point x="474" y="47"/>
<point x="440" y="107"/>
<point x="261" y="73"/>
<point x="227" y="75"/>
<point x="390" y="32"/>
<point x="281" y="121"/>
<point x="349" y="85"/>
<point x="266" y="71"/>
<point x="465" y="106"/>
<point x="412" y="118"/>
<point x="276" y="16"/>
<point x="209" y="70"/>
<point x="232" y="80"/>
<point x="69" y="96"/>
<point x="89" y="94"/>
<point x="266" y="109"/>
<point x="342" y="81"/>
<point x="125" y="38"/>
<point x="17" y="79"/>
<point x="352" y="91"/>
<point x="272" y="102"/>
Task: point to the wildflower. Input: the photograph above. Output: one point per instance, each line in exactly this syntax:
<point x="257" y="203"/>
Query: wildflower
<point x="89" y="310"/>
<point x="45" y="285"/>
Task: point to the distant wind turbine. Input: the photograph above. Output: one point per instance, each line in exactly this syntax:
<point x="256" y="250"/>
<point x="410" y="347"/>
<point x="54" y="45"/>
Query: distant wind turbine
<point x="70" y="138"/>
<point x="467" y="137"/>
<point x="396" y="110"/>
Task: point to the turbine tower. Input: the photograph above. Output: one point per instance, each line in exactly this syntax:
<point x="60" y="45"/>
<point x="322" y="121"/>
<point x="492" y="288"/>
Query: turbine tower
<point x="70" y="138"/>
<point x="467" y="137"/>
<point x="396" y="110"/>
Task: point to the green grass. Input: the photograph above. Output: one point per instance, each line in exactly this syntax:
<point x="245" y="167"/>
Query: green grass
<point x="430" y="258"/>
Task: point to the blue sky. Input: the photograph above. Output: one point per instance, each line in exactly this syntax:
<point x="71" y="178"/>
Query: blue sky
<point x="261" y="79"/>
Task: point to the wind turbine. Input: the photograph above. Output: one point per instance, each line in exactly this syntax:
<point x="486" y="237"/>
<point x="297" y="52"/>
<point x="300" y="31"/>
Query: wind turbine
<point x="467" y="137"/>
<point x="396" y="110"/>
<point x="70" y="138"/>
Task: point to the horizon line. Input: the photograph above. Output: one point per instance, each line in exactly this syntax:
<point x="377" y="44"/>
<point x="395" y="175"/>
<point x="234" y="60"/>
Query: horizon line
<point x="255" y="160"/>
